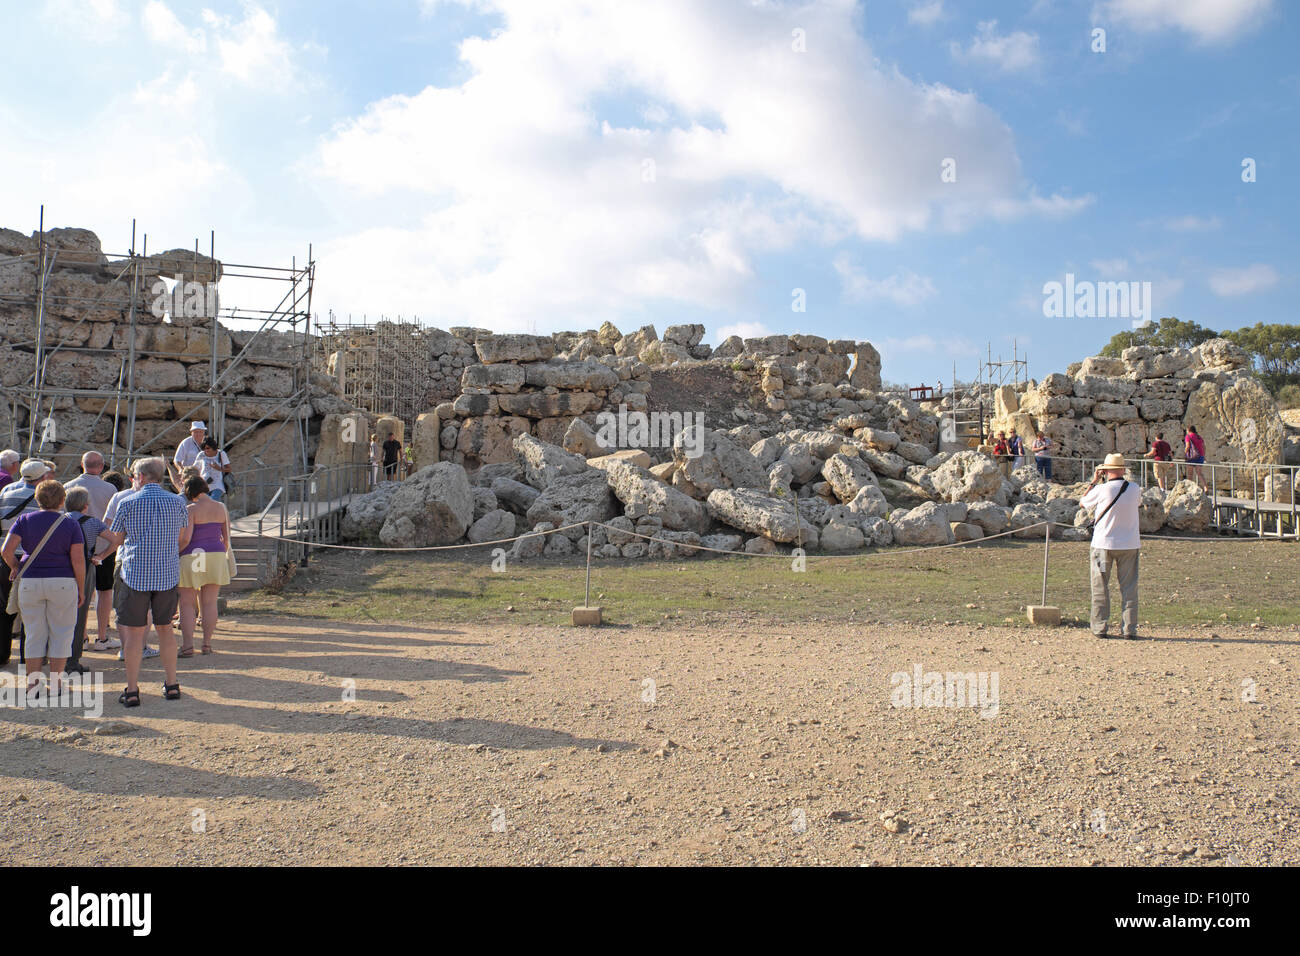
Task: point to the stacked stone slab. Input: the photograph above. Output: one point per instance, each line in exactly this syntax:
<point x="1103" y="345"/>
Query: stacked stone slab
<point x="1119" y="405"/>
<point x="87" y="329"/>
<point x="519" y="386"/>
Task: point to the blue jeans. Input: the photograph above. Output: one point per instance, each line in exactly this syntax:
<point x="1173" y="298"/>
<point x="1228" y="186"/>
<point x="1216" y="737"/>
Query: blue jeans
<point x="1044" y="467"/>
<point x="216" y="494"/>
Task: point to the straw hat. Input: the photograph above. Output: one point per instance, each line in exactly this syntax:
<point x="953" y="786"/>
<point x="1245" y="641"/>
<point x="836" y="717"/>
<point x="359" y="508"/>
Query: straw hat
<point x="1114" y="462"/>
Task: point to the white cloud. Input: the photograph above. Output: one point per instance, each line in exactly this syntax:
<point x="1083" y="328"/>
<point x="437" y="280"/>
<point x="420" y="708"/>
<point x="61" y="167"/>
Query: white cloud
<point x="99" y="21"/>
<point x="926" y="14"/>
<point x="1009" y="53"/>
<point x="1243" y="281"/>
<point x="167" y="93"/>
<point x="164" y="28"/>
<point x="252" y="50"/>
<point x="1192" y="223"/>
<point x="904" y="288"/>
<point x="746" y="330"/>
<point x="1110" y="268"/>
<point x="1209" y="21"/>
<point x="519" y="198"/>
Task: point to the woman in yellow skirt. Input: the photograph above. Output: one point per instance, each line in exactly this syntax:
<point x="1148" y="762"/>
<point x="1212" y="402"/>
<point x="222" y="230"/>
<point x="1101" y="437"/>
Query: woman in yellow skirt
<point x="205" y="566"/>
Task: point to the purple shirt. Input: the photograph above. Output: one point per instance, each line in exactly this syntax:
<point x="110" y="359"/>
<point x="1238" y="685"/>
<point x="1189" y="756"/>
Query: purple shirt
<point x="54" y="560"/>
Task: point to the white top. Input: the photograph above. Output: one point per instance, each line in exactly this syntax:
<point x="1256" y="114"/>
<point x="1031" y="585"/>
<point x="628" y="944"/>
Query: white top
<point x="210" y="470"/>
<point x="187" y="452"/>
<point x="101" y="492"/>
<point x="111" y="511"/>
<point x="1118" y="528"/>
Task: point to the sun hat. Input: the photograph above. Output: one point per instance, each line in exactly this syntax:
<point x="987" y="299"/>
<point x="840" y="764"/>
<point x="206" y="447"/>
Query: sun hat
<point x="198" y="425"/>
<point x="1114" y="462"/>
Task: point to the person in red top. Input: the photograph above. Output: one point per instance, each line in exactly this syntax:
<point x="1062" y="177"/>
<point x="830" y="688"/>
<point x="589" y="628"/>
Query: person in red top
<point x="1194" y="453"/>
<point x="1002" y="452"/>
<point x="1163" y="454"/>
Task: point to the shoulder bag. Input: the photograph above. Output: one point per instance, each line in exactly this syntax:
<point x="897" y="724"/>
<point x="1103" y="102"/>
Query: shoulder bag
<point x="12" y="607"/>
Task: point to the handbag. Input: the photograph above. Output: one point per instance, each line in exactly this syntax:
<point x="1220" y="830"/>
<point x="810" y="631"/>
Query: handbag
<point x="12" y="607"/>
<point x="232" y="564"/>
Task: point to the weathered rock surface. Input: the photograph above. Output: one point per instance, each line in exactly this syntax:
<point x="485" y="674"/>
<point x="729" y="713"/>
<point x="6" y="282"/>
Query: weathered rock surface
<point x="432" y="507"/>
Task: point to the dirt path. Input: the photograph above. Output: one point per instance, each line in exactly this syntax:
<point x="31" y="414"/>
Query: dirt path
<point x="763" y="744"/>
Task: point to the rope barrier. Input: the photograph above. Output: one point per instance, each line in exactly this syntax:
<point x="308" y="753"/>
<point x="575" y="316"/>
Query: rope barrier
<point x="1225" y="539"/>
<point x="439" y="547"/>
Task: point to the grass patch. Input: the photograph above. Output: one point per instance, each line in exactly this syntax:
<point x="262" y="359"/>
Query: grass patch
<point x="1183" y="584"/>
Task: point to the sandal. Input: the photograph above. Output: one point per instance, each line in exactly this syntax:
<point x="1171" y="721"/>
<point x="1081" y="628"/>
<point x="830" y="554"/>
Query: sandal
<point x="172" y="691"/>
<point x="186" y="651"/>
<point x="130" y="698"/>
<point x="207" y="649"/>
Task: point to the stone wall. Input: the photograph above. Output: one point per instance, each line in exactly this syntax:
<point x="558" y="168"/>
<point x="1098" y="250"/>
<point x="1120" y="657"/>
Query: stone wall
<point x="87" y="333"/>
<point x="813" y="454"/>
<point x="1105" y="405"/>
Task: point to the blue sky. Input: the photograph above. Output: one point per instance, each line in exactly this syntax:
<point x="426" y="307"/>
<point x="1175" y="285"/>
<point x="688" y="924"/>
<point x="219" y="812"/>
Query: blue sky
<point x="549" y="164"/>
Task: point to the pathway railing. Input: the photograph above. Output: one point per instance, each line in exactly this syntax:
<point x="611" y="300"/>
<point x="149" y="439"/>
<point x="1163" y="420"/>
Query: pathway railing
<point x="1248" y="499"/>
<point x="305" y="510"/>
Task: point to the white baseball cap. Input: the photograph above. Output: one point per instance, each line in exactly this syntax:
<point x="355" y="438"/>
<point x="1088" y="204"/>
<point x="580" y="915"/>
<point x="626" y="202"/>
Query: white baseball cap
<point x="199" y="425"/>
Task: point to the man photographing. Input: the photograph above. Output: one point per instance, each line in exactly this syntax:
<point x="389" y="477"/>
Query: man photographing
<point x="1114" y="501"/>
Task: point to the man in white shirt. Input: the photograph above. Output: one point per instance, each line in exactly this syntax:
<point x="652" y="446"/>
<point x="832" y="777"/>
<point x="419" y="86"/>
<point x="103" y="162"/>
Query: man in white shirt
<point x="188" y="452"/>
<point x="1114" y="502"/>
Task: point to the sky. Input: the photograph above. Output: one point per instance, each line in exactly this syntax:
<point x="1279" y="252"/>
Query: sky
<point x="912" y="173"/>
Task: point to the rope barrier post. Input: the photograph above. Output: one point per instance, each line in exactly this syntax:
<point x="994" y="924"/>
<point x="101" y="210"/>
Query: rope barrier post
<point x="1045" y="615"/>
<point x="587" y="616"/>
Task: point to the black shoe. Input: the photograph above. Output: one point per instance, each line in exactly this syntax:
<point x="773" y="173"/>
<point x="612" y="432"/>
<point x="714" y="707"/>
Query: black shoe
<point x="77" y="668"/>
<point x="1104" y="636"/>
<point x="1134" y="637"/>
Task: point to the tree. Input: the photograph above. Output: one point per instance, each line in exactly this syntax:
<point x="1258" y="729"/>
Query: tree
<point x="1274" y="352"/>
<point x="1169" y="332"/>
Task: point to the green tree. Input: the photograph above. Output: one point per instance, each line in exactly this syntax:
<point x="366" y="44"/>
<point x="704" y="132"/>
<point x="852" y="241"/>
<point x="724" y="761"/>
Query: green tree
<point x="1274" y="352"/>
<point x="1169" y="332"/>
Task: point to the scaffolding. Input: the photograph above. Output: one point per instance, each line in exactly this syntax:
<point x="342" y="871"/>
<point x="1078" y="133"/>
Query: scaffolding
<point x="971" y="406"/>
<point x="383" y="366"/>
<point x="235" y="334"/>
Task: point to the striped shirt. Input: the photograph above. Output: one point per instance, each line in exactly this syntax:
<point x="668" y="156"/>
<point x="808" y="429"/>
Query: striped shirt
<point x="12" y="496"/>
<point x="152" y="520"/>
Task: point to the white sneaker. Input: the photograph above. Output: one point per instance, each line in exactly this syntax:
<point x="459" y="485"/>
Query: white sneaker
<point x="150" y="652"/>
<point x="111" y="644"/>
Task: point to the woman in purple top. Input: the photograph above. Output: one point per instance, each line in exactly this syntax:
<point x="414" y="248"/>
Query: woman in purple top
<point x="204" y="565"/>
<point x="52" y="583"/>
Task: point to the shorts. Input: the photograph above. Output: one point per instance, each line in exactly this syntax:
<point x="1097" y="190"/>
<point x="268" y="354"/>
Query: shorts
<point x="133" y="607"/>
<point x="1198" y="460"/>
<point x="216" y="494"/>
<point x="208" y="567"/>
<point x="1163" y="468"/>
<point x="104" y="573"/>
<point x="49" y="607"/>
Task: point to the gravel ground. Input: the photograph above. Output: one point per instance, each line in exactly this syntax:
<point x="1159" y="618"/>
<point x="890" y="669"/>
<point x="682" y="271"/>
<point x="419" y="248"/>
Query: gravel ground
<point x="755" y="743"/>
